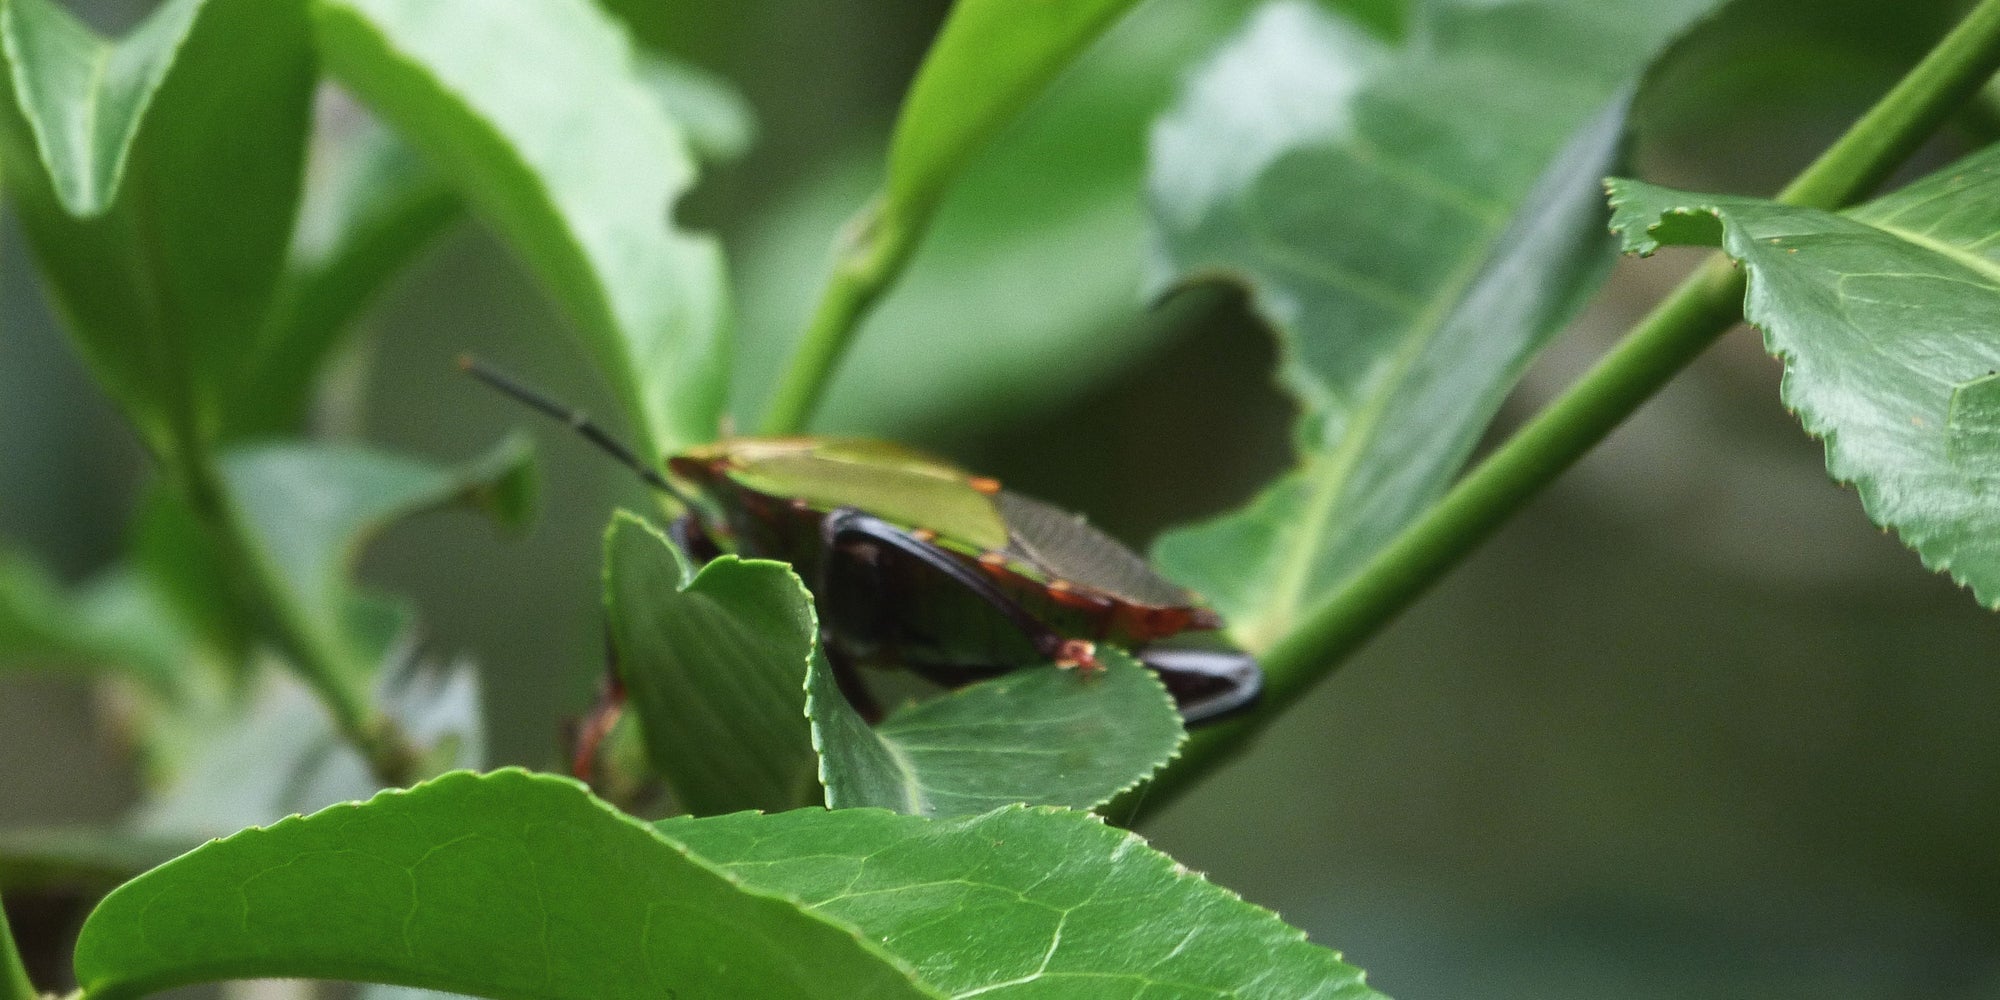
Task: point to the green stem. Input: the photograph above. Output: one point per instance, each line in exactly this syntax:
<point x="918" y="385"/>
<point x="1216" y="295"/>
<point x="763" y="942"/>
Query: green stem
<point x="1705" y="306"/>
<point x="256" y="583"/>
<point x="14" y="984"/>
<point x="872" y="252"/>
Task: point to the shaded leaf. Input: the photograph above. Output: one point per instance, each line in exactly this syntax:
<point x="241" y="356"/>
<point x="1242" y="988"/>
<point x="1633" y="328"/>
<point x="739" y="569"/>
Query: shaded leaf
<point x="252" y="761"/>
<point x="1024" y="903"/>
<point x="508" y="885"/>
<point x="1884" y="316"/>
<point x="157" y="178"/>
<point x="101" y="629"/>
<point x="575" y="163"/>
<point x="1038" y="735"/>
<point x="714" y="662"/>
<point x="312" y="507"/>
<point x="1415" y="222"/>
<point x="309" y="510"/>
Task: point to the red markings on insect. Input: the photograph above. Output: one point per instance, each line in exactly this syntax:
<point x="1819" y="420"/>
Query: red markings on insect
<point x="1078" y="654"/>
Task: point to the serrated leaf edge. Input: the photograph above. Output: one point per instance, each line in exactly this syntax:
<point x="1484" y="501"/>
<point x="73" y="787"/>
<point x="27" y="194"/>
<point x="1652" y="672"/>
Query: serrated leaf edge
<point x="1814" y="424"/>
<point x="506" y="776"/>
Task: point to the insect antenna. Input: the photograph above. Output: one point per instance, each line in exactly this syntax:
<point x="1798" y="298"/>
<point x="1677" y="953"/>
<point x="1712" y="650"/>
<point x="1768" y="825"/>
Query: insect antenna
<point x="577" y="420"/>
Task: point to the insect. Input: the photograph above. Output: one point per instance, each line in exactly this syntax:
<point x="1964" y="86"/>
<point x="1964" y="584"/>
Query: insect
<point x="914" y="563"/>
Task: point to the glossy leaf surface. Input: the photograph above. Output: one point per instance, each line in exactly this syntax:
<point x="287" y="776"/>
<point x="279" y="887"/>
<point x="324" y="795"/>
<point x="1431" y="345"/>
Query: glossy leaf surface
<point x="1415" y="222"/>
<point x="575" y="163"/>
<point x="517" y="885"/>
<point x="714" y="662"/>
<point x="1024" y="903"/>
<point x="1038" y="735"/>
<point x="157" y="178"/>
<point x="1885" y="318"/>
<point x="509" y="885"/>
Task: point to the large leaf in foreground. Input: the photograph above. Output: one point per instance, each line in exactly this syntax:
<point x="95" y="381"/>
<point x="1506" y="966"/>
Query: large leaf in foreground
<point x="1415" y="222"/>
<point x="157" y="177"/>
<point x="510" y="885"/>
<point x="1024" y="903"/>
<point x="714" y="662"/>
<point x="538" y="112"/>
<point x="1887" y="317"/>
<point x="518" y="885"/>
<point x="1037" y="735"/>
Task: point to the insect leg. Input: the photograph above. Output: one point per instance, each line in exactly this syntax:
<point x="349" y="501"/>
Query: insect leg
<point x="603" y="717"/>
<point x="848" y="525"/>
<point x="1207" y="684"/>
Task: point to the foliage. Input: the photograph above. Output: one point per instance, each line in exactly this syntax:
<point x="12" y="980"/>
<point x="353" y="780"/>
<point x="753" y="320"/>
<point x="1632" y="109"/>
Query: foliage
<point x="1879" y="314"/>
<point x="1409" y="198"/>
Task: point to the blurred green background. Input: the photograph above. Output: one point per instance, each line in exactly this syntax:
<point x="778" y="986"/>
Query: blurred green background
<point x="1690" y="726"/>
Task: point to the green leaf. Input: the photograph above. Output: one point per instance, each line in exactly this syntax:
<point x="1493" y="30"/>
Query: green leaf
<point x="371" y="204"/>
<point x="312" y="507"/>
<point x="157" y="178"/>
<point x="991" y="58"/>
<point x="508" y="885"/>
<point x="715" y="665"/>
<point x="1024" y="903"/>
<point x="1022" y="293"/>
<point x="1883" y="316"/>
<point x="14" y="984"/>
<point x="518" y="885"/>
<point x="720" y="124"/>
<point x="575" y="163"/>
<point x="257" y="759"/>
<point x="42" y="626"/>
<point x="1415" y="222"/>
<point x="309" y="509"/>
<point x="1038" y="735"/>
<point x="83" y="96"/>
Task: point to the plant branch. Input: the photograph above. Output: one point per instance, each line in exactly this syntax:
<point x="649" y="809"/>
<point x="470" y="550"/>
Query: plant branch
<point x="1699" y="311"/>
<point x="873" y="248"/>
<point x="255" y="583"/>
<point x="14" y="984"/>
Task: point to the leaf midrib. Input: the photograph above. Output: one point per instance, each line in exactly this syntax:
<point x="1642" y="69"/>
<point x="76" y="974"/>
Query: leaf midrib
<point x="1970" y="261"/>
<point x="1289" y="593"/>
